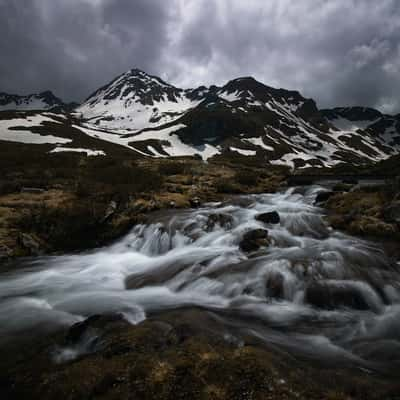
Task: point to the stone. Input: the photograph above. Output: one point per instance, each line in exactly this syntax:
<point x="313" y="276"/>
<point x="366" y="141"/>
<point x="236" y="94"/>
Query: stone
<point x="322" y="197"/>
<point x="110" y="211"/>
<point x="31" y="244"/>
<point x="5" y="253"/>
<point x="93" y="323"/>
<point x="275" y="286"/>
<point x="326" y="296"/>
<point x="254" y="239"/>
<point x="194" y="202"/>
<point x="223" y="220"/>
<point x="269" y="217"/>
<point x="391" y="213"/>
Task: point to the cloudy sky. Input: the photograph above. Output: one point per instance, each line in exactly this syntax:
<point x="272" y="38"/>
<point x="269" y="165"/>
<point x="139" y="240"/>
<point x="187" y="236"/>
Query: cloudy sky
<point x="340" y="52"/>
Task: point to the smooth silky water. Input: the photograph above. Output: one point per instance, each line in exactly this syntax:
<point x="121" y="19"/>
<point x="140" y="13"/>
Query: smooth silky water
<point x="314" y="291"/>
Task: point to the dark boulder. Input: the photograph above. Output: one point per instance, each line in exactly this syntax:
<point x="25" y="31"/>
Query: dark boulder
<point x="195" y="202"/>
<point x="331" y="296"/>
<point x="323" y="196"/>
<point x="254" y="239"/>
<point x="275" y="286"/>
<point x="269" y="217"/>
<point x="391" y="213"/>
<point x="90" y="325"/>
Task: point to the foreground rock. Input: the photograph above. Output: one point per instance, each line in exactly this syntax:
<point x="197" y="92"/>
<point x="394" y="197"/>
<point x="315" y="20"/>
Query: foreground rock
<point x="254" y="239"/>
<point x="322" y="197"/>
<point x="178" y="355"/>
<point x="269" y="217"/>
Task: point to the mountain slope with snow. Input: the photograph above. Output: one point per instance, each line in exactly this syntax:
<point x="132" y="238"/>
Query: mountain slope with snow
<point x="243" y="118"/>
<point x="40" y="101"/>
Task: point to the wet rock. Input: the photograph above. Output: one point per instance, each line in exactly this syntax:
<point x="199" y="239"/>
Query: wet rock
<point x="323" y="196"/>
<point x="326" y="296"/>
<point x="269" y="217"/>
<point x="5" y="253"/>
<point x="194" y="202"/>
<point x="254" y="239"/>
<point x="110" y="211"/>
<point x="223" y="220"/>
<point x="94" y="323"/>
<point x="392" y="212"/>
<point x="31" y="243"/>
<point x="274" y="286"/>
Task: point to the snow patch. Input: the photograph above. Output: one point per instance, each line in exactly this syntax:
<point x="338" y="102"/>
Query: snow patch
<point x="243" y="152"/>
<point x="79" y="150"/>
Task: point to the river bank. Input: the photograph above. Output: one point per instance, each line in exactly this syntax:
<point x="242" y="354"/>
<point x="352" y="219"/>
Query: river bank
<point x="93" y="202"/>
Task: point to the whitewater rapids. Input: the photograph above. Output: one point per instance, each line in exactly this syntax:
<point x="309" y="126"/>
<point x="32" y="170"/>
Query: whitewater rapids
<point x="314" y="290"/>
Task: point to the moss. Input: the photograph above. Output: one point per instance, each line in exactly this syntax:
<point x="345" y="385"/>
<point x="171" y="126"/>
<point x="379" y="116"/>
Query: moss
<point x="180" y="355"/>
<point x="360" y="212"/>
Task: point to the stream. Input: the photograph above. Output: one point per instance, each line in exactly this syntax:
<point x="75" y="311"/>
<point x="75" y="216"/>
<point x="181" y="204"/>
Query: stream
<point x="313" y="291"/>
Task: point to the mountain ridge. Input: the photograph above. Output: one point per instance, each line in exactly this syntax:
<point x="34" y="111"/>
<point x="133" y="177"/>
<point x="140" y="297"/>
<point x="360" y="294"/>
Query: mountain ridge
<point x="45" y="100"/>
<point x="245" y="117"/>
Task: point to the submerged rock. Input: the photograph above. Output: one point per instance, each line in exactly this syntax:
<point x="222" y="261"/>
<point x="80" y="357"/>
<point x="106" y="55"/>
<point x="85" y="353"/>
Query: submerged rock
<point x="223" y="220"/>
<point x="254" y="239"/>
<point x="275" y="286"/>
<point x="331" y="296"/>
<point x="269" y="217"/>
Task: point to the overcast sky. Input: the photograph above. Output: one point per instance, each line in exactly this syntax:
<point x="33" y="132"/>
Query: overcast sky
<point x="340" y="52"/>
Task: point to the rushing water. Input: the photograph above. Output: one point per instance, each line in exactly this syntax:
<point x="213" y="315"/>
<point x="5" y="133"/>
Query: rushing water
<point x="313" y="290"/>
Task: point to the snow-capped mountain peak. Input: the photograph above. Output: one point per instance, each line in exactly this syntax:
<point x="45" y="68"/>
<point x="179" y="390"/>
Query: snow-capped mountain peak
<point x="40" y="101"/>
<point x="134" y="101"/>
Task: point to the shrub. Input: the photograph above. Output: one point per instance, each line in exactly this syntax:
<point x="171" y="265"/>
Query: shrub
<point x="172" y="168"/>
<point x="66" y="228"/>
<point x="224" y="186"/>
<point x="246" y="177"/>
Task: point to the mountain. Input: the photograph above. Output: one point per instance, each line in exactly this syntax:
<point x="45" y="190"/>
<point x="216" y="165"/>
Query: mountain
<point x="134" y="101"/>
<point x="40" y="101"/>
<point x="243" y="118"/>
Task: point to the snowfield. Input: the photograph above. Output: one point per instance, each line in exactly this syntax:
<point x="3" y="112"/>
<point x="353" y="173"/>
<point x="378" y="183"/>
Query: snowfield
<point x="9" y="130"/>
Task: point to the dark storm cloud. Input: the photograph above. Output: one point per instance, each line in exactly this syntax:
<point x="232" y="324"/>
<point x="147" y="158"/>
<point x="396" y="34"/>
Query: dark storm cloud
<point x="73" y="46"/>
<point x="340" y="52"/>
